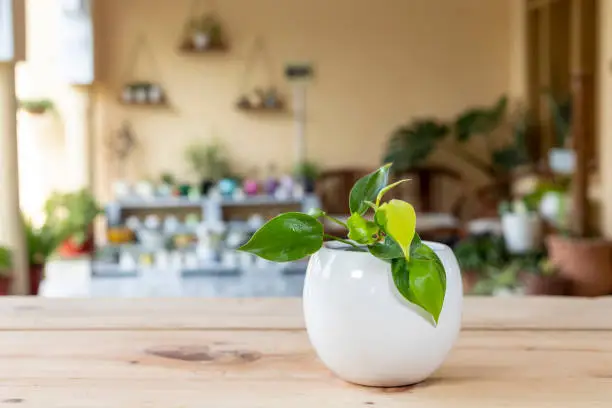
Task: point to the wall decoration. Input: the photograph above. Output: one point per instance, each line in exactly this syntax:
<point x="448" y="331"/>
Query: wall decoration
<point x="259" y="98"/>
<point x="121" y="145"/>
<point x="203" y="32"/>
<point x="138" y="91"/>
<point x="36" y="106"/>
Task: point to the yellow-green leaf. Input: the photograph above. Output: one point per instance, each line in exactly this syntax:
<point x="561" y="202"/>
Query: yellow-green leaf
<point x="361" y="230"/>
<point x="397" y="219"/>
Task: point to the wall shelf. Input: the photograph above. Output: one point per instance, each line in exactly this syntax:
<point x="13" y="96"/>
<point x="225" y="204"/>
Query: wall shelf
<point x="189" y="49"/>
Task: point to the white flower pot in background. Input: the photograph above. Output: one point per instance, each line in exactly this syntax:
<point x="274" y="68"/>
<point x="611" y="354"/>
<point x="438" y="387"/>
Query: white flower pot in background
<point x="554" y="208"/>
<point x="522" y="232"/>
<point x="365" y="331"/>
<point x="562" y="161"/>
<point x="200" y="41"/>
<point x="155" y="94"/>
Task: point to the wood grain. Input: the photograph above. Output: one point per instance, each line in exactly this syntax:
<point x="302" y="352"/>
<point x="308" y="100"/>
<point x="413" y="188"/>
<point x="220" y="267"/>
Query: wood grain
<point x="126" y="369"/>
<point x="513" y="313"/>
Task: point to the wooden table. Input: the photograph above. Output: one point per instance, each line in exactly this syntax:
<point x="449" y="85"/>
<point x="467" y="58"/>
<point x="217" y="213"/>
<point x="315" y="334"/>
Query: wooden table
<point x="181" y="353"/>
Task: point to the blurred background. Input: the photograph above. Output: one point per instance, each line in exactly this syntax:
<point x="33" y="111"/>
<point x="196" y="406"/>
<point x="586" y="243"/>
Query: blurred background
<point x="143" y="141"/>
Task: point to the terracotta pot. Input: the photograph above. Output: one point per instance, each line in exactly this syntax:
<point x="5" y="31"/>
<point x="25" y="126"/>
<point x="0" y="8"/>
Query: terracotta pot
<point x="5" y="285"/>
<point x="36" y="275"/>
<point x="552" y="285"/>
<point x="586" y="263"/>
<point x="69" y="249"/>
<point x="469" y="280"/>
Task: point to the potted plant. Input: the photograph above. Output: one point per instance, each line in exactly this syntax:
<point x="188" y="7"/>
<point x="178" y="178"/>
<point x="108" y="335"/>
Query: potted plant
<point x="307" y="172"/>
<point x="372" y="300"/>
<point x="71" y="216"/>
<point x="476" y="254"/>
<point x="36" y="106"/>
<point x="581" y="257"/>
<point x="209" y="162"/>
<point x="539" y="276"/>
<point x="6" y="263"/>
<point x="203" y="32"/>
<point x="42" y="243"/>
<point x="521" y="227"/>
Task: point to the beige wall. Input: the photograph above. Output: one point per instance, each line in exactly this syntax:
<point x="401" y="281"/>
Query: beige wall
<point x="378" y="64"/>
<point x="376" y="67"/>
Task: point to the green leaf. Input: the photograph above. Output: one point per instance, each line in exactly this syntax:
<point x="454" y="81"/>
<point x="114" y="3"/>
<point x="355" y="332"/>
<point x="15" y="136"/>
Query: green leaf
<point x="386" y="250"/>
<point x="422" y="280"/>
<point x="411" y="145"/>
<point x="367" y="188"/>
<point x="397" y="219"/>
<point x="480" y="121"/>
<point x="287" y="237"/>
<point x="389" y="187"/>
<point x="361" y="230"/>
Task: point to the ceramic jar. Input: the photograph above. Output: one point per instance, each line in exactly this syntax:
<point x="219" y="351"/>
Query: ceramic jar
<point x="365" y="331"/>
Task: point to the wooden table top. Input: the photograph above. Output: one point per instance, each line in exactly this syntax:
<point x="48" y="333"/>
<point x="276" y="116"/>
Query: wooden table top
<point x="182" y="353"/>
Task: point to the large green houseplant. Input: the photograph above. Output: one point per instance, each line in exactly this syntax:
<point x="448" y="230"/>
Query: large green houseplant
<point x="209" y="162"/>
<point x="410" y="146"/>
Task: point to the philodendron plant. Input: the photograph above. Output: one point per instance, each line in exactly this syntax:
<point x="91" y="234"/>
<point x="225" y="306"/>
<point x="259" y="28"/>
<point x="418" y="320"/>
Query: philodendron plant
<point x="385" y="230"/>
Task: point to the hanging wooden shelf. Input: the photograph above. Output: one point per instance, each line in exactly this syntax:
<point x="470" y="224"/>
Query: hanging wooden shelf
<point x="262" y="109"/>
<point x="161" y="104"/>
<point x="189" y="49"/>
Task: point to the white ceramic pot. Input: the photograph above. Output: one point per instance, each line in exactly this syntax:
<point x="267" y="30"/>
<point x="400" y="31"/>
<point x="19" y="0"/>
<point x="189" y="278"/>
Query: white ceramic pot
<point x="200" y="41"/>
<point x="365" y="331"/>
<point x="522" y="232"/>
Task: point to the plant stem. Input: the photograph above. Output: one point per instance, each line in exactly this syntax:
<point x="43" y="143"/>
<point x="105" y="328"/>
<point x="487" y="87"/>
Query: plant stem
<point x="337" y="221"/>
<point x="344" y="241"/>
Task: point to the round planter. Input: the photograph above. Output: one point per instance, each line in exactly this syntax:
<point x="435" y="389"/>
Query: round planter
<point x="522" y="232"/>
<point x="36" y="275"/>
<point x="200" y="41"/>
<point x="469" y="279"/>
<point x="535" y="285"/>
<point x="365" y="331"/>
<point x="5" y="285"/>
<point x="70" y="249"/>
<point x="585" y="262"/>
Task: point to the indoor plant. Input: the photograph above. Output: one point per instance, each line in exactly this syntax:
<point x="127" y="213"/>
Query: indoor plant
<point x="36" y="106"/>
<point x="71" y="216"/>
<point x="521" y="226"/>
<point x="538" y="276"/>
<point x="203" y="32"/>
<point x="307" y="172"/>
<point x="42" y="243"/>
<point x="6" y="263"/>
<point x="373" y="302"/>
<point x="209" y="162"/>
<point x="476" y="255"/>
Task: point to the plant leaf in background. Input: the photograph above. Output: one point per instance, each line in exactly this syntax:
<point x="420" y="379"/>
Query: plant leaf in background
<point x="397" y="219"/>
<point x="361" y="230"/>
<point x="411" y="145"/>
<point x="287" y="237"/>
<point x="421" y="280"/>
<point x="480" y="121"/>
<point x="367" y="188"/>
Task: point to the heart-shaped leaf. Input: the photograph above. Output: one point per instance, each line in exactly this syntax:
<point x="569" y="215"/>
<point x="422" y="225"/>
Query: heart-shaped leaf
<point x="422" y="280"/>
<point x="361" y="230"/>
<point x="287" y="237"/>
<point x="397" y="219"/>
<point x="386" y="250"/>
<point x="367" y="188"/>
